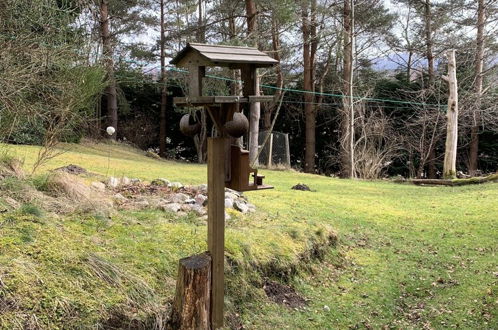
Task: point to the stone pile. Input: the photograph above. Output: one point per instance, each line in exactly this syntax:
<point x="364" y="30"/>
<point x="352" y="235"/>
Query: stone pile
<point x="169" y="196"/>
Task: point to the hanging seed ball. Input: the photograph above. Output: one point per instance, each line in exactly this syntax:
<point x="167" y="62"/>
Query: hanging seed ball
<point x="188" y="128"/>
<point x="238" y="126"/>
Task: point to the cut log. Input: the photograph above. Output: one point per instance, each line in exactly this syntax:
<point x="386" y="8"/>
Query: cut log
<point x="192" y="304"/>
<point x="454" y="182"/>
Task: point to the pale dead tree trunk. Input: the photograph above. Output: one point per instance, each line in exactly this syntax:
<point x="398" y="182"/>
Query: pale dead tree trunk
<point x="164" y="88"/>
<point x="429" y="42"/>
<point x="255" y="108"/>
<point x="108" y="52"/>
<point x="309" y="51"/>
<point x="347" y="118"/>
<point x="449" y="170"/>
<point x="479" y="67"/>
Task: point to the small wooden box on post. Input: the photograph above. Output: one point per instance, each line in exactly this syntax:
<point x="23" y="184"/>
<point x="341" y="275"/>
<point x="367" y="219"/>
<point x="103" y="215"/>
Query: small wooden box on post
<point x="228" y="163"/>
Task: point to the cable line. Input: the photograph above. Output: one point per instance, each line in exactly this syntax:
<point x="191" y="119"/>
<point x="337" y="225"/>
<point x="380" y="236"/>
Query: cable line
<point x="319" y="93"/>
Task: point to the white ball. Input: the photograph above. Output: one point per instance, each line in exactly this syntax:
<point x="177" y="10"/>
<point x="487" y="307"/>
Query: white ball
<point x="110" y="130"/>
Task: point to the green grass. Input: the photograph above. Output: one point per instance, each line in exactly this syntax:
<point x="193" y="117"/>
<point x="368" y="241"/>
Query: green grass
<point x="407" y="256"/>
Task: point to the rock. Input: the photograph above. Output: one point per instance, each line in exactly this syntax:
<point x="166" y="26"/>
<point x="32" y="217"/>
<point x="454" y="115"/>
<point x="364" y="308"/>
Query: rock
<point x="326" y="308"/>
<point x="119" y="198"/>
<point x="203" y="218"/>
<point x="190" y="201"/>
<point x="160" y="182"/>
<point x="202" y="188"/>
<point x="135" y="181"/>
<point x="234" y="192"/>
<point x="240" y="206"/>
<point x="231" y="196"/>
<point x="112" y="182"/>
<point x="172" y="207"/>
<point x="175" y="185"/>
<point x="141" y="204"/>
<point x="302" y="187"/>
<point x="179" y="198"/>
<point x="12" y="202"/>
<point x="72" y="169"/>
<point x="99" y="186"/>
<point x="125" y="181"/>
<point x="228" y="203"/>
<point x="201" y="199"/>
<point x="187" y="207"/>
<point x="199" y="210"/>
<point x="251" y="207"/>
<point x="152" y="154"/>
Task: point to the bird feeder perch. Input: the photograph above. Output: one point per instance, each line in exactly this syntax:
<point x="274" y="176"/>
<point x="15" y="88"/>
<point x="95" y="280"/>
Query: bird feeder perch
<point x="228" y="163"/>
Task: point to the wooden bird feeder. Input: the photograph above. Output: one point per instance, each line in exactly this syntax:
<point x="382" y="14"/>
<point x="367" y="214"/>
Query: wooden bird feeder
<point x="228" y="163"/>
<point x="224" y="110"/>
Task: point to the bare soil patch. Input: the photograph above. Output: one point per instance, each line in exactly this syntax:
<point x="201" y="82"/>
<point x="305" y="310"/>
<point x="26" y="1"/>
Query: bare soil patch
<point x="283" y="295"/>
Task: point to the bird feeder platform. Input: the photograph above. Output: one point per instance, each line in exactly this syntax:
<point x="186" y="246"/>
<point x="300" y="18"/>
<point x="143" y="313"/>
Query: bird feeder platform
<point x="218" y="100"/>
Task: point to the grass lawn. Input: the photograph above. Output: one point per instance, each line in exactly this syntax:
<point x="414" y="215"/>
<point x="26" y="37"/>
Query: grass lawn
<point x="406" y="256"/>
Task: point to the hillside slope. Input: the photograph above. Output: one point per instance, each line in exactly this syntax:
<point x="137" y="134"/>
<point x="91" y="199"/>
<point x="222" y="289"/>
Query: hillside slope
<point x="407" y="256"/>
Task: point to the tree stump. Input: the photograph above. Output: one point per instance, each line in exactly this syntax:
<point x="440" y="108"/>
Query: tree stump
<point x="192" y="304"/>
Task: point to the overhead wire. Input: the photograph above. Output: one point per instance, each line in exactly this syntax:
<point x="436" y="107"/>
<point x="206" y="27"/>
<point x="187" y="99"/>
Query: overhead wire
<point x="286" y="89"/>
<point x="408" y="104"/>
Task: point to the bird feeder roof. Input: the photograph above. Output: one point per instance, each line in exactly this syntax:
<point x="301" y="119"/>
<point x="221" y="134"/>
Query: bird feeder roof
<point x="220" y="55"/>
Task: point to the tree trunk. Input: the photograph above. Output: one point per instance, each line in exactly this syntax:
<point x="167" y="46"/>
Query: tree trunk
<point x="449" y="171"/>
<point x="192" y="304"/>
<point x="432" y="77"/>
<point x="201" y="30"/>
<point x="308" y="60"/>
<point x="429" y="42"/>
<point x="275" y="36"/>
<point x="108" y="52"/>
<point x="347" y="116"/>
<point x="164" y="89"/>
<point x="201" y="139"/>
<point x="479" y="67"/>
<point x="254" y="108"/>
<point x="432" y="171"/>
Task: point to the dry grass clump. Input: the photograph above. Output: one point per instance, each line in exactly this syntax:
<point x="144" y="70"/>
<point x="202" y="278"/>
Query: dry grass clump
<point x="72" y="194"/>
<point x="11" y="167"/>
<point x="139" y="295"/>
<point x="58" y="192"/>
<point x="62" y="184"/>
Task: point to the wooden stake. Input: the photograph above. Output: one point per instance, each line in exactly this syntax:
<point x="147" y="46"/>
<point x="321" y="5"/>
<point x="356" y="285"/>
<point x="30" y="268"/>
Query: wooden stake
<point x="191" y="307"/>
<point x="449" y="170"/>
<point x="287" y="150"/>
<point x="270" y="151"/>
<point x="216" y="225"/>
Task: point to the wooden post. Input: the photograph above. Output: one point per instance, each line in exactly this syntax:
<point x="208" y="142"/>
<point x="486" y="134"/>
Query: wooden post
<point x="287" y="149"/>
<point x="191" y="307"/>
<point x="449" y="170"/>
<point x="270" y="151"/>
<point x="216" y="225"/>
<point x="196" y="73"/>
